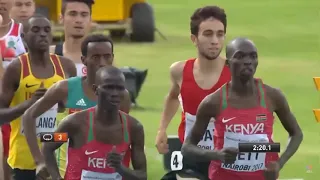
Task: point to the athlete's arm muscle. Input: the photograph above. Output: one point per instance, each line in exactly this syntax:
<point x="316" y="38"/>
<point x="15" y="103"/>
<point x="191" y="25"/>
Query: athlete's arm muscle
<point x="172" y="102"/>
<point x="67" y="125"/>
<point x="208" y="108"/>
<point x="125" y="104"/>
<point x="57" y="93"/>
<point x="138" y="156"/>
<point x="288" y="121"/>
<point x="9" y="84"/>
<point x="68" y="66"/>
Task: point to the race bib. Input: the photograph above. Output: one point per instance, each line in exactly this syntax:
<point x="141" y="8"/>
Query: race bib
<point x="46" y="122"/>
<point x="89" y="175"/>
<point x="207" y="139"/>
<point x="245" y="162"/>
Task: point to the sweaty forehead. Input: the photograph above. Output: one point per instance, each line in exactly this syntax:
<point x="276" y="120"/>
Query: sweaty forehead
<point x="77" y="6"/>
<point x="211" y="24"/>
<point x="100" y="47"/>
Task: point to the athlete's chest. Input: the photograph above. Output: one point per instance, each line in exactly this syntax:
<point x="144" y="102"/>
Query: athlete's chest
<point x="30" y="85"/>
<point x="245" y="121"/>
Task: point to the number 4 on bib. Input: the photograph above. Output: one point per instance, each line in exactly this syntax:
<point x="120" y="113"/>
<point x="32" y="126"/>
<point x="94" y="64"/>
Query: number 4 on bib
<point x="176" y="161"/>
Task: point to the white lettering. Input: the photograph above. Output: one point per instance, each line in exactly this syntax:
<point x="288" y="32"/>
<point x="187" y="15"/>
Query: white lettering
<point x="246" y="129"/>
<point x="99" y="163"/>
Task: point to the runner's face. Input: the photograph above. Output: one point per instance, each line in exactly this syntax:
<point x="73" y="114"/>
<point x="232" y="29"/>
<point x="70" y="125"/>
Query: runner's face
<point x="38" y="36"/>
<point x="210" y="39"/>
<point x="244" y="61"/>
<point x="111" y="90"/>
<point x="76" y="19"/>
<point x="99" y="54"/>
<point x="22" y="9"/>
<point x="5" y="6"/>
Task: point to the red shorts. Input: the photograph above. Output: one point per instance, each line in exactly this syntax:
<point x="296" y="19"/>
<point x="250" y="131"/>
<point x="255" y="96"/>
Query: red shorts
<point x="5" y="138"/>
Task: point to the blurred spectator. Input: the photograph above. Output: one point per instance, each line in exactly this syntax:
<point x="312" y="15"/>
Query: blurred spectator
<point x="22" y="10"/>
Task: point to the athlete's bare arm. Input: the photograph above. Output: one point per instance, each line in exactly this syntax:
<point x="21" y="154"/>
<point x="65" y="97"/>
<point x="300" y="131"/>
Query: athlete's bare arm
<point x="67" y="125"/>
<point x="9" y="85"/>
<point x="125" y="104"/>
<point x="208" y="108"/>
<point x="138" y="156"/>
<point x="68" y="66"/>
<point x="288" y="121"/>
<point x="42" y="105"/>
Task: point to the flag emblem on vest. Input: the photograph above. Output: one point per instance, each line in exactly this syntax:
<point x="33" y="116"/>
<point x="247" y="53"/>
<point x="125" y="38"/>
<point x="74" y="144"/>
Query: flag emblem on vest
<point x="261" y="117"/>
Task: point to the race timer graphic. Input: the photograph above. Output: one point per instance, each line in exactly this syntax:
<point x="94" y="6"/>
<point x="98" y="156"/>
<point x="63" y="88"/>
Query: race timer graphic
<point x="53" y="137"/>
<point x="316" y="112"/>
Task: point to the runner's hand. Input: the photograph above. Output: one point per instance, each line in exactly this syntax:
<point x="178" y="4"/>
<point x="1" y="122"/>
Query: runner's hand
<point x="39" y="93"/>
<point x="114" y="159"/>
<point x="162" y="142"/>
<point x="42" y="172"/>
<point x="271" y="171"/>
<point x="228" y="155"/>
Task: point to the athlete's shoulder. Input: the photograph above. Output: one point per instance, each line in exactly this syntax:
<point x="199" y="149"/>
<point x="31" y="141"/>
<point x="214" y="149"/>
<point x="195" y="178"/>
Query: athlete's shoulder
<point x="68" y="66"/>
<point x="273" y="93"/>
<point x="176" y="69"/>
<point x="61" y="87"/>
<point x="134" y="123"/>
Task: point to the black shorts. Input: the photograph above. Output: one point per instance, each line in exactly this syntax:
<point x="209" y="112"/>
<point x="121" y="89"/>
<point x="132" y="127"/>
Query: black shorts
<point x="199" y="169"/>
<point x="19" y="174"/>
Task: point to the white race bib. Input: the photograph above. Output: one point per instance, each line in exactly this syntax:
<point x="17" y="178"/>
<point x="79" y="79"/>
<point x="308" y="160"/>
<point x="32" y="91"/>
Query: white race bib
<point x="89" y="175"/>
<point x="207" y="139"/>
<point x="81" y="69"/>
<point x="245" y="162"/>
<point x="46" y="122"/>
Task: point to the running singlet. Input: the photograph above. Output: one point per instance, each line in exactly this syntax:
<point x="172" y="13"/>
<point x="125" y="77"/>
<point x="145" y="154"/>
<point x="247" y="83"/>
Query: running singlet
<point x="89" y="161"/>
<point x="191" y="96"/>
<point x="11" y="45"/>
<point x="81" y="68"/>
<point x="76" y="101"/>
<point x="20" y="155"/>
<point x="234" y="126"/>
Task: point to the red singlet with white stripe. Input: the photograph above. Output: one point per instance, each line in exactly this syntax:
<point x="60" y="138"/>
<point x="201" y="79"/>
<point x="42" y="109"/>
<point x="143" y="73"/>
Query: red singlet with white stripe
<point x="243" y="125"/>
<point x="191" y="96"/>
<point x="89" y="161"/>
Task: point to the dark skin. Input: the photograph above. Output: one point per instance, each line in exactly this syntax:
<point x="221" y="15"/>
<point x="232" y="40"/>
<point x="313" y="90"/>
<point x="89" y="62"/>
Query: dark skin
<point x="243" y="93"/>
<point x="38" y="39"/>
<point x="95" y="49"/>
<point x="109" y="87"/>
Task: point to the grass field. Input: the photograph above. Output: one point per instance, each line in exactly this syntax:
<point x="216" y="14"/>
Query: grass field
<point x="287" y="35"/>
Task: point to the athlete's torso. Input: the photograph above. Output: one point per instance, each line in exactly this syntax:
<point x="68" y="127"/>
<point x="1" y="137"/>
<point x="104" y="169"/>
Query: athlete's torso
<point x="191" y="96"/>
<point x="234" y="126"/>
<point x="20" y="155"/>
<point x="76" y="101"/>
<point x="89" y="161"/>
<point x="11" y="45"/>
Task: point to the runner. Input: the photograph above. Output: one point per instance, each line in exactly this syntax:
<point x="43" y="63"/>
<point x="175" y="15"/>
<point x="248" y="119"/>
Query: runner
<point x="76" y="19"/>
<point x="76" y="93"/>
<point x="194" y="79"/>
<point x="89" y="146"/>
<point x="25" y="81"/>
<point x="22" y="10"/>
<point x="243" y="109"/>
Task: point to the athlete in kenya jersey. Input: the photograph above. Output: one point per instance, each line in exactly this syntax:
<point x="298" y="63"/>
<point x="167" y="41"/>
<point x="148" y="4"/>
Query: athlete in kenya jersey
<point x="76" y="93"/>
<point x="25" y="81"/>
<point x="243" y="111"/>
<point x="194" y="79"/>
<point x="93" y="155"/>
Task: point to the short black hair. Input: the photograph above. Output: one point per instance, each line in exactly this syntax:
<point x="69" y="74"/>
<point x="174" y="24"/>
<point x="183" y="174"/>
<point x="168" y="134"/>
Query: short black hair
<point x="26" y="23"/>
<point x="94" y="38"/>
<point x="65" y="2"/>
<point x="204" y="13"/>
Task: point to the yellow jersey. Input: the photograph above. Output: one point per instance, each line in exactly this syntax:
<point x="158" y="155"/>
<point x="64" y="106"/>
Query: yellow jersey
<point x="19" y="153"/>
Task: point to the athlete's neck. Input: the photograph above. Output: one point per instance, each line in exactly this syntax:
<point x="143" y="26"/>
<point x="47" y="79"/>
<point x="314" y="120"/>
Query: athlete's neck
<point x="5" y="20"/>
<point x="107" y="115"/>
<point x="242" y="87"/>
<point x="72" y="45"/>
<point x="208" y="66"/>
<point x="40" y="58"/>
<point x="5" y="26"/>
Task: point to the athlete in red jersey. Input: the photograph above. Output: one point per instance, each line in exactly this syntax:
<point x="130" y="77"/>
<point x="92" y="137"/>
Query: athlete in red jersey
<point x="243" y="111"/>
<point x="194" y="79"/>
<point x="93" y="155"/>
